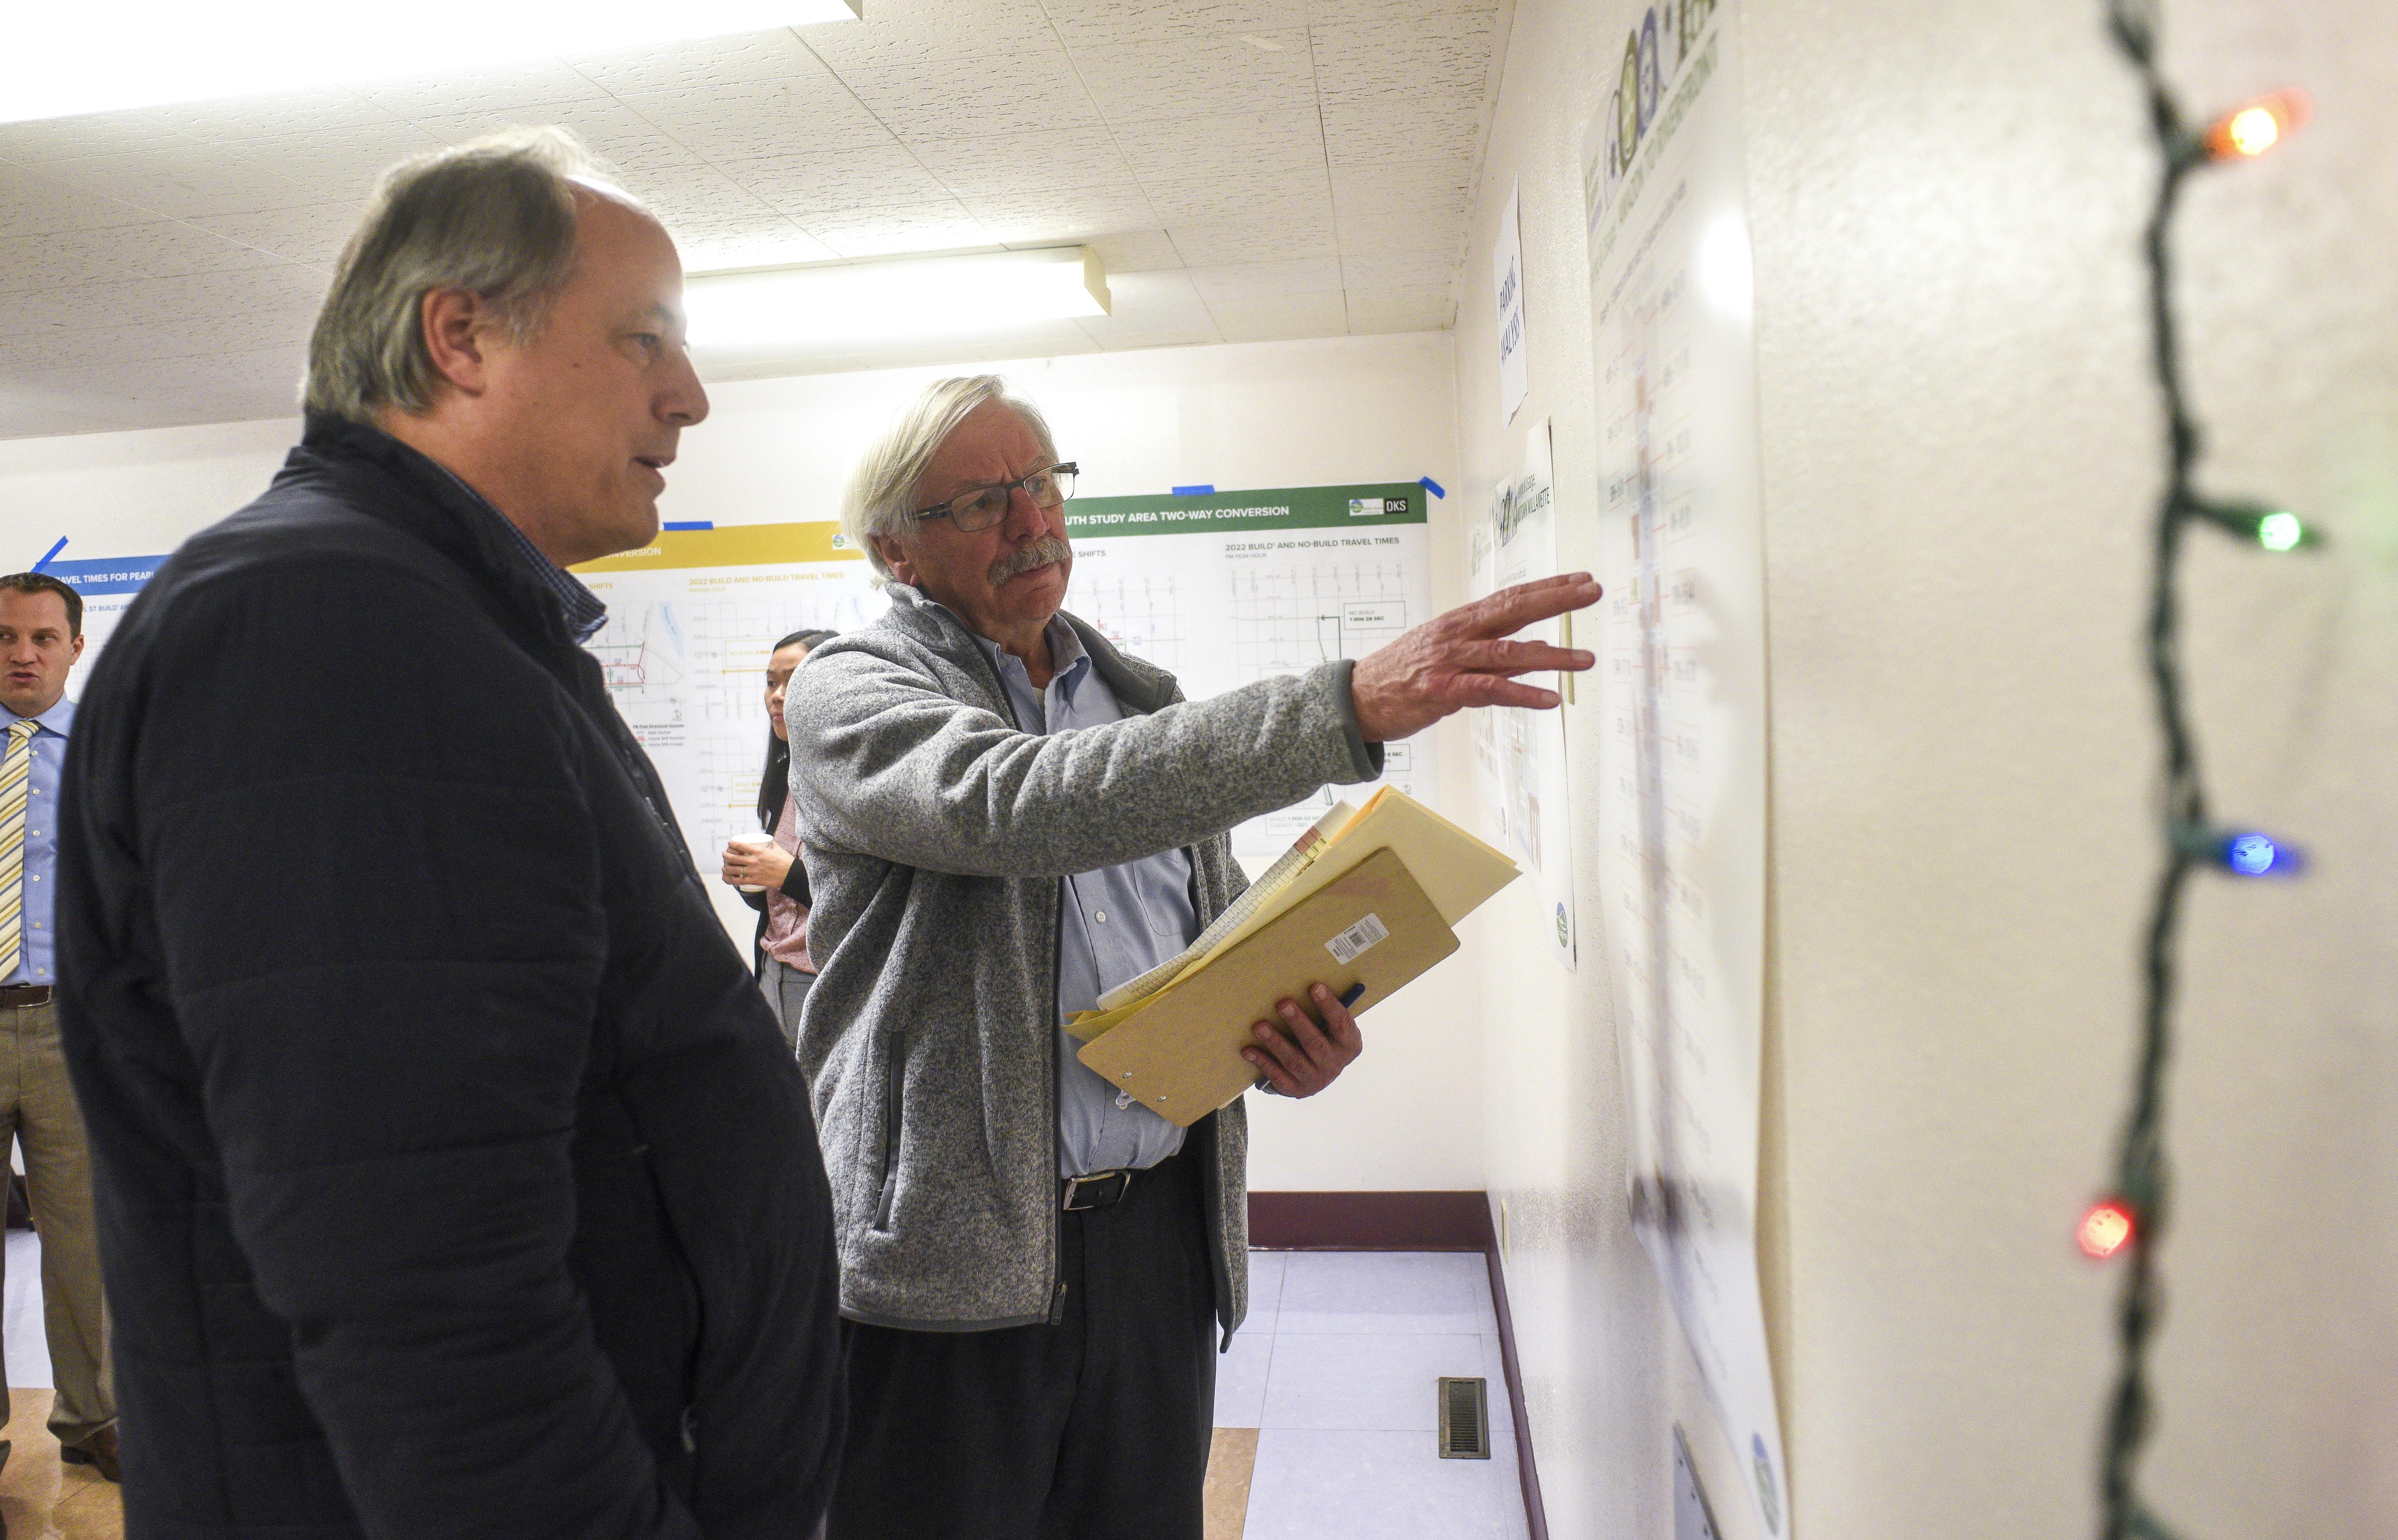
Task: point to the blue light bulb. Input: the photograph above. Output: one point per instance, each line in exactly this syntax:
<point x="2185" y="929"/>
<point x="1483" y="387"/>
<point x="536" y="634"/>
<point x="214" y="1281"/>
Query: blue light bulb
<point x="2251" y="854"/>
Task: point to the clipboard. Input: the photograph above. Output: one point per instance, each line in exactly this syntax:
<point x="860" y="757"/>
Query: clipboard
<point x="1179" y="1054"/>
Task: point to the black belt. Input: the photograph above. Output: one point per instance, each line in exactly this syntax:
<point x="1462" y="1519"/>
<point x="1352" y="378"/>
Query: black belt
<point x="28" y="994"/>
<point x="1098" y="1190"/>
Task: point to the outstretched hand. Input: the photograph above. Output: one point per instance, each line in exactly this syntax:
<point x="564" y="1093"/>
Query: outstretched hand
<point x="1460" y="660"/>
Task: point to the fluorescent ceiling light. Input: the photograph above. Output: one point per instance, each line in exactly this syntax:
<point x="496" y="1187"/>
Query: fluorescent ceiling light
<point x="840" y="304"/>
<point x="70" y="57"/>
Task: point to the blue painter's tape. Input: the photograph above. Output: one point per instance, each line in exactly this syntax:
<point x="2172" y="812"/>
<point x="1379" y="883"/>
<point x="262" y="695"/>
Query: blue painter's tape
<point x="1194" y="491"/>
<point x="51" y="552"/>
<point x="108" y="575"/>
<point x="1429" y="484"/>
<point x="690" y="524"/>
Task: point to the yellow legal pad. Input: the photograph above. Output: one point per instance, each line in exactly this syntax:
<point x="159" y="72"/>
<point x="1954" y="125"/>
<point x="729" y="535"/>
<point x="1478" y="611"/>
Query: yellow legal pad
<point x="1367" y="898"/>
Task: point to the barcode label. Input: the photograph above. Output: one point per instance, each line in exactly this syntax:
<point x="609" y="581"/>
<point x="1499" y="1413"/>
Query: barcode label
<point x="1347" y="946"/>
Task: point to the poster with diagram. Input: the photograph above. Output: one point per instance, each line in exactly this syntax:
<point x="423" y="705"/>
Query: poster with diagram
<point x="691" y="618"/>
<point x="1520" y="756"/>
<point x="1229" y="588"/>
<point x="1682" y="859"/>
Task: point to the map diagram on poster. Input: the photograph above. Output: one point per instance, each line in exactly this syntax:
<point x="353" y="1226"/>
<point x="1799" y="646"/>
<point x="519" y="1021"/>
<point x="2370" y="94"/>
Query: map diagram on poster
<point x="691" y="618"/>
<point x="1683" y="868"/>
<point x="1229" y="588"/>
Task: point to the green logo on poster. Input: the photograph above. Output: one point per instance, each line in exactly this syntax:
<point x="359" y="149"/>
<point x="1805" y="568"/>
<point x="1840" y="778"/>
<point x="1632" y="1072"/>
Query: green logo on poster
<point x="1769" y="1497"/>
<point x="1564" y="928"/>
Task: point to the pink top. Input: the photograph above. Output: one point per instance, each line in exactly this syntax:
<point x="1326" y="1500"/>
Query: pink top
<point x="787" y="919"/>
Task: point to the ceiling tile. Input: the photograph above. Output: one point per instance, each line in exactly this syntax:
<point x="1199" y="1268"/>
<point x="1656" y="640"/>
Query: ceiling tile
<point x="1400" y="310"/>
<point x="940" y="227"/>
<point x="1428" y="270"/>
<point x="339" y="164"/>
<point x="1370" y="13"/>
<point x="184" y="181"/>
<point x="1140" y="251"/>
<point x="1105" y="23"/>
<point x="1198" y="77"/>
<point x="1365" y="132"/>
<point x="998" y="164"/>
<point x="1075" y="214"/>
<point x="1245" y="281"/>
<point x="755" y="119"/>
<point x="906" y="33"/>
<point x="1289" y="195"/>
<point x="973" y="98"/>
<point x="1273" y="320"/>
<point x="1215" y="245"/>
<point x="600" y="123"/>
<point x="1375" y="236"/>
<point x="506" y="92"/>
<point x="730" y="242"/>
<point x="1432" y="191"/>
<point x="700" y="64"/>
<point x="875" y="176"/>
<point x="312" y="234"/>
<point x="161" y="249"/>
<point x="240" y="117"/>
<point x="1234" y="146"/>
<point x="1445" y="57"/>
<point x="704" y="196"/>
<point x="91" y="134"/>
<point x="33" y="204"/>
<point x="209" y="303"/>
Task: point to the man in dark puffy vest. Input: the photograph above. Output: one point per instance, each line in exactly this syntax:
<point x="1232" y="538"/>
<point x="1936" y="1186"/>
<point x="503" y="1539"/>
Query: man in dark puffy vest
<point x="454" y="1178"/>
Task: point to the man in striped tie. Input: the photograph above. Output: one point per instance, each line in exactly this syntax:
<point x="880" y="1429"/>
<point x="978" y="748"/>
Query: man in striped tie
<point x="41" y="636"/>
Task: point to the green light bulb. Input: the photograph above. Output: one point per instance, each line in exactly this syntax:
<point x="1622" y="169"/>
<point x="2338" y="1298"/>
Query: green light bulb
<point x="2280" y="531"/>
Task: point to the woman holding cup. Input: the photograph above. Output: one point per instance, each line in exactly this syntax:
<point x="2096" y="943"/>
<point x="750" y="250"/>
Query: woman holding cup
<point x="766" y="866"/>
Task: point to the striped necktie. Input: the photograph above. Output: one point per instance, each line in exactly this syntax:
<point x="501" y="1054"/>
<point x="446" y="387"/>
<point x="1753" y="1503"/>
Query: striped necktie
<point x="16" y="783"/>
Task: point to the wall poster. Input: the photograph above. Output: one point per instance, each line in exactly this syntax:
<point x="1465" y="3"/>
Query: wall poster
<point x="1682" y="864"/>
<point x="1228" y="588"/>
<point x="691" y="618"/>
<point x="1521" y="755"/>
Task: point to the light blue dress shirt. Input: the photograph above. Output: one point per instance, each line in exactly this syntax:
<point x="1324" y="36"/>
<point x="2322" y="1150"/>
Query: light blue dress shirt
<point x="37" y="954"/>
<point x="1115" y="924"/>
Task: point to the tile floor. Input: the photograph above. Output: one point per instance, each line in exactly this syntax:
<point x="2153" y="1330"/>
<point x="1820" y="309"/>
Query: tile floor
<point x="1326" y="1405"/>
<point x="1337" y="1369"/>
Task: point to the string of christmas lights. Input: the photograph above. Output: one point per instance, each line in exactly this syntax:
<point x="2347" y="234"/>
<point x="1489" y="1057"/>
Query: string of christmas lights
<point x="2129" y="1223"/>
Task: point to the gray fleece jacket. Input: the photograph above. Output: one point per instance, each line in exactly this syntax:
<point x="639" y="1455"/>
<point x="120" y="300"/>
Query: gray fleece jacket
<point x="935" y="834"/>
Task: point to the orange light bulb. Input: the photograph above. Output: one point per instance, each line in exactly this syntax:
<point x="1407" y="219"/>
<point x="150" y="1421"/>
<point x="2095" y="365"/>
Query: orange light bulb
<point x="2105" y="1230"/>
<point x="2253" y="128"/>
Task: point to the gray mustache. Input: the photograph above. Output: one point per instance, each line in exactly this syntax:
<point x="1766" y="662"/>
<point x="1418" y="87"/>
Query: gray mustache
<point x="1024" y="559"/>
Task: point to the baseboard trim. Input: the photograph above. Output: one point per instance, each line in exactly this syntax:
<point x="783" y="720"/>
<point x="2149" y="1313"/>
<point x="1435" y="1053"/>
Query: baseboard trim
<point x="1408" y="1222"/>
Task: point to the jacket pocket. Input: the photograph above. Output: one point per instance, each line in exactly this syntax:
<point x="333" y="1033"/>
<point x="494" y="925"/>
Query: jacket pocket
<point x="893" y="1083"/>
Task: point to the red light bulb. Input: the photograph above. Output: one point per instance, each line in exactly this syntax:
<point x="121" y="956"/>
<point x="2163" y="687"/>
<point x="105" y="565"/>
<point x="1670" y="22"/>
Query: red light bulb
<point x="2106" y="1229"/>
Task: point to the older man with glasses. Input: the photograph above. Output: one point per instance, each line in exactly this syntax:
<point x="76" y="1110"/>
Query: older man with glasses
<point x="1004" y="817"/>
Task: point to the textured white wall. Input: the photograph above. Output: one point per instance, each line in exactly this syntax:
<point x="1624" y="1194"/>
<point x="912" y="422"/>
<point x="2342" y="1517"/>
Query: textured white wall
<point x="1959" y="452"/>
<point x="1276" y="414"/>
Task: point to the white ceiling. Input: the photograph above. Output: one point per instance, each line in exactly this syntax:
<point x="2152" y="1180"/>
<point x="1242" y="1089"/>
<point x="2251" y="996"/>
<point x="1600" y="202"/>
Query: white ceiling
<point x="1247" y="169"/>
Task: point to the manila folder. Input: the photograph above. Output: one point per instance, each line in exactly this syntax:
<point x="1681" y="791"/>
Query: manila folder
<point x="1180" y="1055"/>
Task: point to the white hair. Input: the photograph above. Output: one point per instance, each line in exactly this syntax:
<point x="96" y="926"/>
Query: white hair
<point x="878" y="499"/>
<point x="495" y="217"/>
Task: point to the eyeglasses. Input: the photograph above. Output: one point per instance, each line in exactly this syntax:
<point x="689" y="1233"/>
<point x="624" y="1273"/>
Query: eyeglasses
<point x="985" y="506"/>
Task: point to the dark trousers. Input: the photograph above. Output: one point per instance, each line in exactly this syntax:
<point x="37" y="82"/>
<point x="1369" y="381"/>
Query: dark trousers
<point x="1095" y="1428"/>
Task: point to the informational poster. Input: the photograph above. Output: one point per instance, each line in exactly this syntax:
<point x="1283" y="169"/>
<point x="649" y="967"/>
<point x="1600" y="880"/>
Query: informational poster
<point x="1682" y="863"/>
<point x="691" y="618"/>
<point x="1521" y="755"/>
<point x="1507" y="274"/>
<point x="1229" y="588"/>
<point x="107" y="585"/>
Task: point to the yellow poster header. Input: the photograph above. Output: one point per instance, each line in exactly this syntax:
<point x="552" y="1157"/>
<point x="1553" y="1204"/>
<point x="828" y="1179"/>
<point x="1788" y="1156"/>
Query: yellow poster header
<point x="734" y="545"/>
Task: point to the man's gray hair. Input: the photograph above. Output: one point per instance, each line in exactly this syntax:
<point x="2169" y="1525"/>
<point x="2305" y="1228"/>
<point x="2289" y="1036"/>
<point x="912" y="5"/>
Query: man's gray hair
<point x="495" y="217"/>
<point x="881" y="490"/>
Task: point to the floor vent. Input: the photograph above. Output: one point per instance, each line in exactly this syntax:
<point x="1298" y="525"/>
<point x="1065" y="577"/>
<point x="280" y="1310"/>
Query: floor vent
<point x="1464" y="1419"/>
